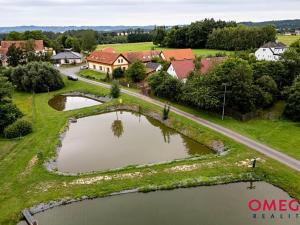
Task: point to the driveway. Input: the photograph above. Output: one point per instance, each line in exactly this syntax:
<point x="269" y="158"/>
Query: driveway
<point x="270" y="152"/>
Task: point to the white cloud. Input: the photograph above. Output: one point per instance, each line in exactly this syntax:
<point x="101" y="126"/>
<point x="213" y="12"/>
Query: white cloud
<point x="134" y="12"/>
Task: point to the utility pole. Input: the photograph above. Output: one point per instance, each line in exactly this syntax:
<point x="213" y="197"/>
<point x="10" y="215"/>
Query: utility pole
<point x="224" y="100"/>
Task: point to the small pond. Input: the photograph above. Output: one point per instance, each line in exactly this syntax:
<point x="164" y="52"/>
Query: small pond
<point x="65" y="103"/>
<point x="118" y="139"/>
<point x="214" y="205"/>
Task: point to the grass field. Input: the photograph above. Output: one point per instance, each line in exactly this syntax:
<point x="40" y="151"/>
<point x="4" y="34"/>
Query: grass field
<point x="25" y="181"/>
<point x="288" y="40"/>
<point x="91" y="74"/>
<point x="149" y="45"/>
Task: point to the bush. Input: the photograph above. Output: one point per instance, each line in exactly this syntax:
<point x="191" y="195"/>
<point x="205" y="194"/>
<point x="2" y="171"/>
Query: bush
<point x="118" y="73"/>
<point x="292" y="109"/>
<point x="136" y="71"/>
<point x="9" y="113"/>
<point x="115" y="89"/>
<point x="37" y="77"/>
<point x="18" y="129"/>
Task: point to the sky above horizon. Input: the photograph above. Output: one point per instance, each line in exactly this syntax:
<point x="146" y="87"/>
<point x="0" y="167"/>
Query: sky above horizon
<point x="147" y="12"/>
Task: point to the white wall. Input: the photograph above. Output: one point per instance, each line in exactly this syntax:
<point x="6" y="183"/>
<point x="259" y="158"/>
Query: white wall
<point x="171" y="71"/>
<point x="268" y="55"/>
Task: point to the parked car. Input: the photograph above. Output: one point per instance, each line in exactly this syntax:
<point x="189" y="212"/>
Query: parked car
<point x="84" y="67"/>
<point x="72" y="77"/>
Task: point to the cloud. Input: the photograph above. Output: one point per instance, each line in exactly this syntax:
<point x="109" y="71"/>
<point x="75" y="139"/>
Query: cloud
<point x="134" y="12"/>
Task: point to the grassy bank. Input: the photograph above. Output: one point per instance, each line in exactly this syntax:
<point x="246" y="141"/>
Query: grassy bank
<point x="143" y="46"/>
<point x="25" y="182"/>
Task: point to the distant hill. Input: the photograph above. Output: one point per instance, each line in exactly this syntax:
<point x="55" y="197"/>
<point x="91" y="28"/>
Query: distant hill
<point x="60" y="29"/>
<point x="279" y="24"/>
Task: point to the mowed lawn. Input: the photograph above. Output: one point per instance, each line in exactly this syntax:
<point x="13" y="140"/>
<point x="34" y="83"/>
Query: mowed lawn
<point x="288" y="40"/>
<point x="143" y="46"/>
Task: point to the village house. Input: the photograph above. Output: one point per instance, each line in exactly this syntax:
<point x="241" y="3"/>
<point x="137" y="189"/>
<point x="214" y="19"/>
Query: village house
<point x="152" y="67"/>
<point x="38" y="47"/>
<point x="181" y="69"/>
<point x="67" y="57"/>
<point x="270" y="51"/>
<point x="106" y="61"/>
<point x="177" y="54"/>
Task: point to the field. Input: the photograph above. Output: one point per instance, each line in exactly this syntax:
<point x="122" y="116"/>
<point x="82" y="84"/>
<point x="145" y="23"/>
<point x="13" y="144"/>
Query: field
<point x="149" y="45"/>
<point x="288" y="40"/>
<point x="25" y="181"/>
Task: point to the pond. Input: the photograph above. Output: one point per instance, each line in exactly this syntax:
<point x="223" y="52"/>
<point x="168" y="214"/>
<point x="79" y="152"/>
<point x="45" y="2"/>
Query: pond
<point x="214" y="205"/>
<point x="65" y="103"/>
<point x="118" y="139"/>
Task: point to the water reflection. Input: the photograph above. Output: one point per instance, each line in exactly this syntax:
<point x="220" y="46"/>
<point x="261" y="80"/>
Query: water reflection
<point x="214" y="205"/>
<point x="65" y="103"/>
<point x="119" y="139"/>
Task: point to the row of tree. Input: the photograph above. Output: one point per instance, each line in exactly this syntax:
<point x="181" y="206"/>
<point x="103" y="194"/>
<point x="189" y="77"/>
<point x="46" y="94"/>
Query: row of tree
<point x="240" y="37"/>
<point x="194" y="35"/>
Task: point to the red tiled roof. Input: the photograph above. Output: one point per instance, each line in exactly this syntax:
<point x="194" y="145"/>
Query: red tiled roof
<point x="3" y="51"/>
<point x="178" y="54"/>
<point x="103" y="57"/>
<point x="38" y="44"/>
<point x="209" y="63"/>
<point x="183" y="68"/>
<point x="143" y="56"/>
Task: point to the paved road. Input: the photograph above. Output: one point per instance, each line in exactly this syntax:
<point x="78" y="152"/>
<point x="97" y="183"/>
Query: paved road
<point x="270" y="152"/>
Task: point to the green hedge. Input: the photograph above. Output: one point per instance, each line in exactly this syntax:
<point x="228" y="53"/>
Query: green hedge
<point x="18" y="129"/>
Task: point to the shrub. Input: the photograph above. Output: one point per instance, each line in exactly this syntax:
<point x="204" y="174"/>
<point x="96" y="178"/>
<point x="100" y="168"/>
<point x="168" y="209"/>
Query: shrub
<point x="292" y="110"/>
<point x="166" y="112"/>
<point x="9" y="113"/>
<point x="115" y="89"/>
<point x="136" y="71"/>
<point x="18" y="129"/>
<point x="118" y="73"/>
<point x="37" y="77"/>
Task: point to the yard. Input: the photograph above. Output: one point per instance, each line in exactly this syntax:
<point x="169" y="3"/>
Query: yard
<point x="288" y="40"/>
<point x="25" y="181"/>
<point x="149" y="45"/>
<point x="93" y="75"/>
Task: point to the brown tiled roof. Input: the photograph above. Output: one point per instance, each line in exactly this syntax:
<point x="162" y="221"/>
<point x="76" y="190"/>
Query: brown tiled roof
<point x="38" y="44"/>
<point x="274" y="45"/>
<point x="178" y="54"/>
<point x="183" y="67"/>
<point x="143" y="56"/>
<point x="103" y="57"/>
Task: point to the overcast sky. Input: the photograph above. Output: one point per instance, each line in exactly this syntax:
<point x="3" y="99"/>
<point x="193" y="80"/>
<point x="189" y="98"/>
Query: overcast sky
<point x="143" y="12"/>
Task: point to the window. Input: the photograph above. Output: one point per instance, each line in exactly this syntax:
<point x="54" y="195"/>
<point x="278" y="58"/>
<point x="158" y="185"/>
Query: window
<point x="94" y="67"/>
<point x="100" y="67"/>
<point x="124" y="68"/>
<point x="107" y="69"/>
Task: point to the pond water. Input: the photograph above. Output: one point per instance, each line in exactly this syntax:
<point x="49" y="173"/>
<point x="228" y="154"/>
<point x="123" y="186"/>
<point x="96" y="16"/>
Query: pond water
<point x="214" y="205"/>
<point x="118" y="139"/>
<point x="65" y="103"/>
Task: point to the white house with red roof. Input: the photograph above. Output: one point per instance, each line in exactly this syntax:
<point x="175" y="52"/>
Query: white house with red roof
<point x="106" y="61"/>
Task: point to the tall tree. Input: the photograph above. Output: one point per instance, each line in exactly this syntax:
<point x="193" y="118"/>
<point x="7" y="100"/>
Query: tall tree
<point x="15" y="56"/>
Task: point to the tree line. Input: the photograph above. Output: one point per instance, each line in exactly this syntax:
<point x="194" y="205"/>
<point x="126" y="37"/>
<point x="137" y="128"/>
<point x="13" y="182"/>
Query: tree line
<point x="215" y="35"/>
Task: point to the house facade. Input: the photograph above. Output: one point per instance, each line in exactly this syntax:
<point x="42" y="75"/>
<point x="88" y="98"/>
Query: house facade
<point x="181" y="69"/>
<point x="106" y="62"/>
<point x="67" y="57"/>
<point x="271" y="51"/>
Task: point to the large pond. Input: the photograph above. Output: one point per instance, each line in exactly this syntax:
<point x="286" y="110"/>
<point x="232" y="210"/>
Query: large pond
<point x="215" y="205"/>
<point x="65" y="103"/>
<point x="119" y="139"/>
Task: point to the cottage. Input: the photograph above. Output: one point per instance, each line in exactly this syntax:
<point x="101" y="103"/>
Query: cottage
<point x="106" y="62"/>
<point x="177" y="54"/>
<point x="67" y="57"/>
<point x="143" y="56"/>
<point x="270" y="51"/>
<point x="152" y="67"/>
<point x="37" y="45"/>
<point x="181" y="69"/>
